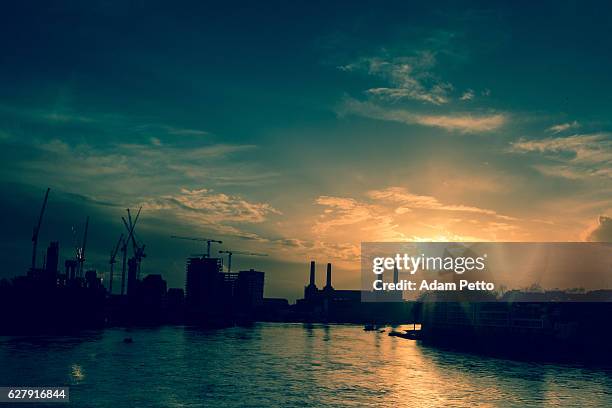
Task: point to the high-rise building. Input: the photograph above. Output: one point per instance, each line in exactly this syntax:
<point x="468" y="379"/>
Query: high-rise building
<point x="248" y="290"/>
<point x="203" y="281"/>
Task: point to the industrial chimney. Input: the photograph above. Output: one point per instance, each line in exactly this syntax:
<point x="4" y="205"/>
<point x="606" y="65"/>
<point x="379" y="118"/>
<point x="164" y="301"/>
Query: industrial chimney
<point x="311" y="291"/>
<point x="328" y="285"/>
<point x="312" y="273"/>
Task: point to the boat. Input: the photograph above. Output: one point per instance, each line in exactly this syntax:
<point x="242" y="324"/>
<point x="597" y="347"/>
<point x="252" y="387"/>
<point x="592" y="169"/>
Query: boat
<point x="406" y="334"/>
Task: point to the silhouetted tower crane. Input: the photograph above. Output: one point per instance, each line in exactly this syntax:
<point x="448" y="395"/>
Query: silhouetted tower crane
<point x="81" y="251"/>
<point x="113" y="256"/>
<point x="230" y="253"/>
<point x="207" y="240"/>
<point x="138" y="250"/>
<point x="36" y="229"/>
<point x="124" y="248"/>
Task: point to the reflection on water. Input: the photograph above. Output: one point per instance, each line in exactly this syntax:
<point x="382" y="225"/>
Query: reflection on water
<point x="77" y="373"/>
<point x="286" y="365"/>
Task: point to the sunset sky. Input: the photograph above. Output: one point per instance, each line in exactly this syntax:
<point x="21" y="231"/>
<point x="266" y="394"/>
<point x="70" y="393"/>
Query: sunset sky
<point x="302" y="129"/>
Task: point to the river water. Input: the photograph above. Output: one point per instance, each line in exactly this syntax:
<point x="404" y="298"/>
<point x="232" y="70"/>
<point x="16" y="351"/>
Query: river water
<point x="277" y="364"/>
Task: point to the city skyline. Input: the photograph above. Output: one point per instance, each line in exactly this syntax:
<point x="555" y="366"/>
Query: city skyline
<point x="301" y="130"/>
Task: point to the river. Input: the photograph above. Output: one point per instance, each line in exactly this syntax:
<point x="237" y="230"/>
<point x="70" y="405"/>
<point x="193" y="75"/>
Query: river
<point x="278" y="364"/>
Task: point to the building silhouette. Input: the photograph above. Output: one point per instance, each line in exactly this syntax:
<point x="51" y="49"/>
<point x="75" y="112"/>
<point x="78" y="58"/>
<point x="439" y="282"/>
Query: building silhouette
<point x="249" y="289"/>
<point x="151" y="298"/>
<point x="215" y="297"/>
<point x="340" y="305"/>
<point x="70" y="266"/>
<point x="174" y="311"/>
<point x="91" y="280"/>
<point x="51" y="264"/>
<point x="203" y="280"/>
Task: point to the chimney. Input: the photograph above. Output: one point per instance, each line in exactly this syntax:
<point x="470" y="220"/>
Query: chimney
<point x="312" y="273"/>
<point x="328" y="284"/>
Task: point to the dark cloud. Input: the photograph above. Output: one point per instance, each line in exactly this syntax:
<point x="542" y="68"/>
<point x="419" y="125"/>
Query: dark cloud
<point x="603" y="231"/>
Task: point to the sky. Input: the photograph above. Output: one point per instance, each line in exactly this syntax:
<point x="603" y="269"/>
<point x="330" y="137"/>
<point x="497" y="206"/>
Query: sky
<point x="301" y="129"/>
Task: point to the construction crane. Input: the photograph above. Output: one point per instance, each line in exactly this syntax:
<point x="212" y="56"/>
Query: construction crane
<point x="81" y="251"/>
<point x="124" y="248"/>
<point x="207" y="240"/>
<point x="230" y="253"/>
<point x="37" y="229"/>
<point x="113" y="256"/>
<point x="134" y="244"/>
<point x="138" y="250"/>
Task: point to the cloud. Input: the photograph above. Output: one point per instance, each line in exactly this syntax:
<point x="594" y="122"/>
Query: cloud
<point x="204" y="209"/>
<point x="592" y="148"/>
<point x="460" y="182"/>
<point x="463" y="123"/>
<point x="572" y="157"/>
<point x="563" y="127"/>
<point x="127" y="174"/>
<point x="602" y="231"/>
<point x="217" y="207"/>
<point x="567" y="172"/>
<point x="66" y="117"/>
<point x="408" y="201"/>
<point x="437" y="95"/>
<point x="410" y="77"/>
<point x="117" y="123"/>
<point x="141" y="158"/>
<point x="345" y="252"/>
<point x="348" y="210"/>
<point x="185" y="132"/>
<point x="467" y="95"/>
<point x="130" y="175"/>
<point x="394" y="214"/>
<point x="343" y="212"/>
<point x="447" y="236"/>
